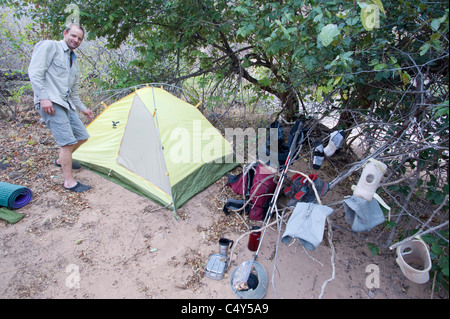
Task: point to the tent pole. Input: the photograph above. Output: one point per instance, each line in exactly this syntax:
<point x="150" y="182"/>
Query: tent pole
<point x="167" y="173"/>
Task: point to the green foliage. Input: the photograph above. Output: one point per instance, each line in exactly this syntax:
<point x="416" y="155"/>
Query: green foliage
<point x="439" y="257"/>
<point x="306" y="45"/>
<point x="17" y="94"/>
<point x="16" y="41"/>
<point x="374" y="250"/>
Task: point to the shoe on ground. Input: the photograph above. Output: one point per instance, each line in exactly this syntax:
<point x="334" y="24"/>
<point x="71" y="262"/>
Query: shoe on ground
<point x="78" y="188"/>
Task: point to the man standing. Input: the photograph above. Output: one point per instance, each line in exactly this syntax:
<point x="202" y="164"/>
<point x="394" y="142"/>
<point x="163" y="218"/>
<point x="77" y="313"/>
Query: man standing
<point x="53" y="72"/>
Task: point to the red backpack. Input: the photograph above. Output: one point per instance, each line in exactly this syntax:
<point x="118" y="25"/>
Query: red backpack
<point x="258" y="184"/>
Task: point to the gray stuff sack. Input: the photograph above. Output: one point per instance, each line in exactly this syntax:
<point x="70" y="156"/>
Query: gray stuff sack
<point x="307" y="224"/>
<point x="363" y="215"/>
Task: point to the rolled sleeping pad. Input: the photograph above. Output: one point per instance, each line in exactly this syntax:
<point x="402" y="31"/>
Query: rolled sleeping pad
<point x="14" y="196"/>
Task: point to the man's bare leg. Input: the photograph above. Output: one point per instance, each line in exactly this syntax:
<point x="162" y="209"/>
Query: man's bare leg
<point x="65" y="160"/>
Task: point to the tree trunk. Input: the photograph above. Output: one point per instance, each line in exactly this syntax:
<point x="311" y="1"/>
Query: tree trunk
<point x="290" y="105"/>
<point x="359" y="99"/>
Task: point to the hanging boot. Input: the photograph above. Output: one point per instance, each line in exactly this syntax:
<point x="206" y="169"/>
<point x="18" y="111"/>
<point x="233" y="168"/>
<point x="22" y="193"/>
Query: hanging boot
<point x="335" y="143"/>
<point x="319" y="155"/>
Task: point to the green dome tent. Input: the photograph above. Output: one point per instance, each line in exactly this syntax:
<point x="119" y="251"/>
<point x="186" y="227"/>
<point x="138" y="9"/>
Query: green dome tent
<point x="156" y="145"/>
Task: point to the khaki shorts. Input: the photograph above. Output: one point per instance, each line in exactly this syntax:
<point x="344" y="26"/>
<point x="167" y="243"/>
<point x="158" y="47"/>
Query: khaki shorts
<point x="65" y="125"/>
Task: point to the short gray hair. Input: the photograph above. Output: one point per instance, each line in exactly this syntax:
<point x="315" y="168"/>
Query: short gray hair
<point x="74" y="24"/>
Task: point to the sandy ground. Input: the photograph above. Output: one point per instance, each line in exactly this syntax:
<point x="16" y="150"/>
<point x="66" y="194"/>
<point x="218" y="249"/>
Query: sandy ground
<point x="112" y="243"/>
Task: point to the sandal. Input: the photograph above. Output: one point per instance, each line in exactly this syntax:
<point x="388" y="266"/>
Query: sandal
<point x="78" y="188"/>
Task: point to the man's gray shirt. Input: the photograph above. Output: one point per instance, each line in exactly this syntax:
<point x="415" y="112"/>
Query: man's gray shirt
<point x="51" y="75"/>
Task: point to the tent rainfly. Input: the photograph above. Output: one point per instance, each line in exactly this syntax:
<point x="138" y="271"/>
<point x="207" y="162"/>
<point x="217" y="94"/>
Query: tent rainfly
<point x="156" y="145"/>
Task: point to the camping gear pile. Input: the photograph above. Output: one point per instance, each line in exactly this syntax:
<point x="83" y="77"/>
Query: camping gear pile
<point x="240" y="280"/>
<point x="260" y="189"/>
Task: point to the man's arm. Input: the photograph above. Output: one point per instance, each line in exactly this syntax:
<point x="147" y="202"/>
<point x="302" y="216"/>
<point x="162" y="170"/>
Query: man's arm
<point x="41" y="59"/>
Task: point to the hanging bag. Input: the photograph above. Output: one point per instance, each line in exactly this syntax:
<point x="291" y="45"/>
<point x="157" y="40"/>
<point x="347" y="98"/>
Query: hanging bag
<point x="307" y="224"/>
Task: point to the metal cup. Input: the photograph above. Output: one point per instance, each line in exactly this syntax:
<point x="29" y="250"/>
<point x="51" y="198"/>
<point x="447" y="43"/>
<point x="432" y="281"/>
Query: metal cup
<point x="224" y="244"/>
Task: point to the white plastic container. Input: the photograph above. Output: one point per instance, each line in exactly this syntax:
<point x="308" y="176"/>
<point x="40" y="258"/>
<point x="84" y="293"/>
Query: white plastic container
<point x="412" y="255"/>
<point x="370" y="179"/>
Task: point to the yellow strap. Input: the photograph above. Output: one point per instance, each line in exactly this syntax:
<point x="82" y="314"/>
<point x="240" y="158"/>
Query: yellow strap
<point x="383" y="203"/>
